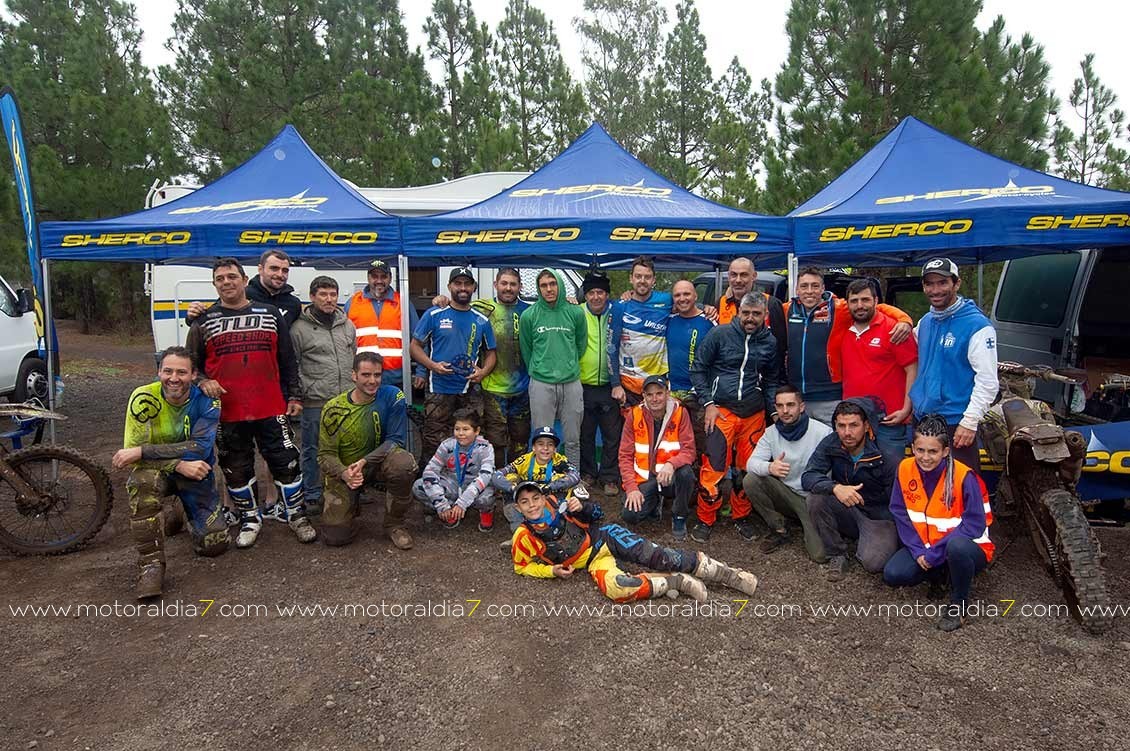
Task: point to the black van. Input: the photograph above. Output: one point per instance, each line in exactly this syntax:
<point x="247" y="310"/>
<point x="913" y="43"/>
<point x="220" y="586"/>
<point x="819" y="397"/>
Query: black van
<point x="1067" y="311"/>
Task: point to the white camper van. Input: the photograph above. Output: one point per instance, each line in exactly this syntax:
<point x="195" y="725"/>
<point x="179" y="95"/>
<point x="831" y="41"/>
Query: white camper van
<point x="172" y="288"/>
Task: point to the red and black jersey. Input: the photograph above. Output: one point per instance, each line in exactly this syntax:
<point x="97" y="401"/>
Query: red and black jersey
<point x="248" y="351"/>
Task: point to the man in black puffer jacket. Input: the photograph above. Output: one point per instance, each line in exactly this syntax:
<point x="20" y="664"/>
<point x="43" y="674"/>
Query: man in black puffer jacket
<point x="734" y="375"/>
<point x="849" y="490"/>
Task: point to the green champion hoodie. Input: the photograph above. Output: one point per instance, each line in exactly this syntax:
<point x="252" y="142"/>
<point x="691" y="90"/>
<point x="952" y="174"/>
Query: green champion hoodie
<point x="553" y="337"/>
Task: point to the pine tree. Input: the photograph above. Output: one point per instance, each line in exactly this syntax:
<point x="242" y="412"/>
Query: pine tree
<point x="620" y="44"/>
<point x="856" y="67"/>
<point x="95" y="131"/>
<point x="471" y="103"/>
<point x="737" y="139"/>
<point x="685" y="104"/>
<point x="541" y="103"/>
<point x="1094" y="155"/>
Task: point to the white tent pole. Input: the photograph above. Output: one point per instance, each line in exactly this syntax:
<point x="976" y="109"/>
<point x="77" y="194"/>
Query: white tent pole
<point x="49" y="345"/>
<point x="405" y="340"/>
<point x="792" y="272"/>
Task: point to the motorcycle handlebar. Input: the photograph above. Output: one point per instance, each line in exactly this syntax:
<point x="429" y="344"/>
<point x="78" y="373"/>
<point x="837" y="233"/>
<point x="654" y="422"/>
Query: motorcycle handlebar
<point x="1044" y="372"/>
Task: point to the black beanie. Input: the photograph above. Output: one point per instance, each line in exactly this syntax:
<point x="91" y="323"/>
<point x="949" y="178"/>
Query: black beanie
<point x="596" y="280"/>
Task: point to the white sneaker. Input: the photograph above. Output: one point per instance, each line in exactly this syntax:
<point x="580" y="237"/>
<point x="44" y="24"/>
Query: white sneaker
<point x="303" y="529"/>
<point x="248" y="534"/>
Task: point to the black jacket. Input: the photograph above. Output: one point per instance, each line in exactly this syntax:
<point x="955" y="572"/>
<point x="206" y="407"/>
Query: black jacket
<point x="831" y="465"/>
<point x="736" y="370"/>
<point x="289" y="305"/>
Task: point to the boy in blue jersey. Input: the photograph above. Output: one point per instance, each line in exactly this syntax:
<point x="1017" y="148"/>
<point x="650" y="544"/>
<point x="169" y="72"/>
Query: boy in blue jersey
<point x="686" y="328"/>
<point x="170" y="439"/>
<point x="455" y="337"/>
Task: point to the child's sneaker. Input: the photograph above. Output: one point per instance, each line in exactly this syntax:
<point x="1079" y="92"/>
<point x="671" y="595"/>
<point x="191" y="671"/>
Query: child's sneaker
<point x="449" y="524"/>
<point x="486" y="521"/>
<point x="679" y="528"/>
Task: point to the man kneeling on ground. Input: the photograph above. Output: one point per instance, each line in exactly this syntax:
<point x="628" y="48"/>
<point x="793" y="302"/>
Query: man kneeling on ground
<point x="361" y="442"/>
<point x="559" y="537"/>
<point x="657" y="450"/>
<point x="773" y="479"/>
<point x="169" y="441"/>
<point x="849" y="491"/>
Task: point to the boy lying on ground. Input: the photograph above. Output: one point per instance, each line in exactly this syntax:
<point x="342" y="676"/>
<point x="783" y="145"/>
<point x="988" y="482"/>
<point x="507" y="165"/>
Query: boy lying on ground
<point x="559" y="537"/>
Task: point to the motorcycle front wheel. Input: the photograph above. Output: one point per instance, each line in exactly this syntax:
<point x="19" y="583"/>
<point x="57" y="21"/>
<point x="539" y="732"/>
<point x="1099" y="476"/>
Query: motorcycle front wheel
<point x="74" y="501"/>
<point x="1078" y="561"/>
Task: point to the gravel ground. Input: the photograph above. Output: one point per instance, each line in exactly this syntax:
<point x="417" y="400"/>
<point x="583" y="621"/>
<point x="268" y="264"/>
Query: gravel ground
<point x="534" y="678"/>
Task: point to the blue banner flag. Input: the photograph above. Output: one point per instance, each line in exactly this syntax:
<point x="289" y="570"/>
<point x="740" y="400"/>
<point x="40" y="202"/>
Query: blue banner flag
<point x="13" y="132"/>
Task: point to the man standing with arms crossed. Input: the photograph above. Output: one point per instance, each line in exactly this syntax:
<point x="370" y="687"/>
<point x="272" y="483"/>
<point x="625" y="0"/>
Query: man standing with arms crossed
<point x="245" y="354"/>
<point x="375" y="313"/>
<point x="735" y="376"/>
<point x="957" y="361"/>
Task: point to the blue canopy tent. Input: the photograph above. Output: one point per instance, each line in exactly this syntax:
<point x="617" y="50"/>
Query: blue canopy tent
<point x="920" y="192"/>
<point x="284" y="197"/>
<point x="596" y="204"/>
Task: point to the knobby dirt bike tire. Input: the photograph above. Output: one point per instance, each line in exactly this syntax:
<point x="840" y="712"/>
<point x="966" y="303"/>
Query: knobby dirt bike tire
<point x="87" y="527"/>
<point x="1083" y="581"/>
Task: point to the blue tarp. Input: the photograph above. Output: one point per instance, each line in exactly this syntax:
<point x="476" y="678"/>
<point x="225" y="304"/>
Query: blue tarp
<point x="283" y="197"/>
<point x="920" y="192"/>
<point x="596" y="198"/>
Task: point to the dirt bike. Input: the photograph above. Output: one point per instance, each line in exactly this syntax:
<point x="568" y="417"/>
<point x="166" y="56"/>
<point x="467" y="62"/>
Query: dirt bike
<point x="1041" y="464"/>
<point x="53" y="499"/>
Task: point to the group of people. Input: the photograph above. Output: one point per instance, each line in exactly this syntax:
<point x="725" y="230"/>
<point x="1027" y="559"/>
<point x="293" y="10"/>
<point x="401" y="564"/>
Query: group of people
<point x="802" y="410"/>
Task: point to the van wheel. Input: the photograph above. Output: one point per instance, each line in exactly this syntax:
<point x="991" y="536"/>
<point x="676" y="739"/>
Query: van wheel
<point x="31" y="383"/>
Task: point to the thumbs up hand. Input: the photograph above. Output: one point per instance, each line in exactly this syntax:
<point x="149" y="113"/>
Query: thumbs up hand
<point x="779" y="468"/>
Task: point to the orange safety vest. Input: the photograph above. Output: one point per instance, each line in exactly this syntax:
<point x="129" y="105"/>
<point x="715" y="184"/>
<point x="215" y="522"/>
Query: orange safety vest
<point x="668" y="445"/>
<point x="381" y="335"/>
<point x="930" y="517"/>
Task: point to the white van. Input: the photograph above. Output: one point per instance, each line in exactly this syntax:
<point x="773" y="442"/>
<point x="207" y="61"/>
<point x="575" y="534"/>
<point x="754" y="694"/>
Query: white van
<point x="172" y="288"/>
<point x="23" y="375"/>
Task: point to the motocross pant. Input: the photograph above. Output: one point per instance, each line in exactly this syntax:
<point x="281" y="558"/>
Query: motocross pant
<point x="147" y="484"/>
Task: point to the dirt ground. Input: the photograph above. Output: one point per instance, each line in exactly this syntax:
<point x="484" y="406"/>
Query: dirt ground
<point x="777" y="675"/>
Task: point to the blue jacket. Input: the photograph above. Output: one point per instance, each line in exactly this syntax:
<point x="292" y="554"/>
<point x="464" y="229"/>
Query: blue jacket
<point x="945" y="375"/>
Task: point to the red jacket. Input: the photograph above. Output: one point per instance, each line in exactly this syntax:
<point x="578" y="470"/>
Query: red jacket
<point x="639" y="429"/>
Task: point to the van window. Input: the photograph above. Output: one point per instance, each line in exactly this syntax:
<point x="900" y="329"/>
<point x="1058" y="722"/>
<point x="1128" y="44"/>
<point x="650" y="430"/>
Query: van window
<point x="1036" y="289"/>
<point x="7" y="301"/>
<point x="1104" y="307"/>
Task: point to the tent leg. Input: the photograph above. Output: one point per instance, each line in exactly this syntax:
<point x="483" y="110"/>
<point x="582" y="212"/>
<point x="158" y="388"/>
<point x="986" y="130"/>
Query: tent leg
<point x="718" y="291"/>
<point x="49" y="345"/>
<point x="405" y="301"/>
<point x="980" y="285"/>
<point x="791" y="273"/>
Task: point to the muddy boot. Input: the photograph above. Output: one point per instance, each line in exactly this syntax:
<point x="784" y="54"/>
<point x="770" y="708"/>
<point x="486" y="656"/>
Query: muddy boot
<point x="290" y="498"/>
<point x="150" y="580"/>
<point x="710" y="570"/>
<point x="172" y="516"/>
<point x="250" y="518"/>
<point x="672" y="585"/>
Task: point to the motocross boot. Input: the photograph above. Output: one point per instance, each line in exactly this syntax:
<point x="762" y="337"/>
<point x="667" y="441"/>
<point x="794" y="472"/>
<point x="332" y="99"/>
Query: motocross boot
<point x="290" y="497"/>
<point x="150" y="580"/>
<point x="672" y="585"/>
<point x="250" y="518"/>
<point x="710" y="570"/>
